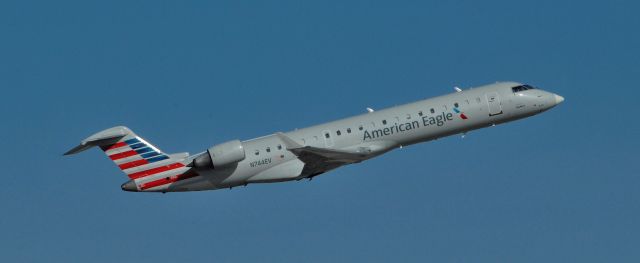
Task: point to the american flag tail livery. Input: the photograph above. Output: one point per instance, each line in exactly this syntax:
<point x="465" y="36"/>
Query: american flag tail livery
<point x="148" y="168"/>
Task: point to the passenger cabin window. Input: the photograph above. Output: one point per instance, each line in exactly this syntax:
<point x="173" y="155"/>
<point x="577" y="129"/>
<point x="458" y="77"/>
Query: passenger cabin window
<point x="338" y="132"/>
<point x="456" y="105"/>
<point x="327" y="135"/>
<point x="433" y="111"/>
<point x="420" y="113"/>
<point x="257" y="152"/>
<point x="384" y="122"/>
<point x="268" y="149"/>
<point x="348" y="130"/>
<point x="360" y="127"/>
<point x="279" y="147"/>
<point x="521" y="88"/>
<point x="408" y="116"/>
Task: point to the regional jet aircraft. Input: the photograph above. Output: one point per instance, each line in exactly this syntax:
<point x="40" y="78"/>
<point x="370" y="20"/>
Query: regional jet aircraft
<point x="308" y="152"/>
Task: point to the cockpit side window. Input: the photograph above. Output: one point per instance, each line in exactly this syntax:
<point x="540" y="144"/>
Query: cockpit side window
<point x="521" y="88"/>
<point x="517" y="89"/>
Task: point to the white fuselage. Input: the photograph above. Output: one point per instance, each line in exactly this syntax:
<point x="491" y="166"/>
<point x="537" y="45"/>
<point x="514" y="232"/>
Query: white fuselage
<point x="268" y="160"/>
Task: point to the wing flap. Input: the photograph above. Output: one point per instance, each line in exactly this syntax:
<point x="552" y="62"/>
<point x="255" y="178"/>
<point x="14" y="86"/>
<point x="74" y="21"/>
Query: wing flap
<point x="319" y="160"/>
<point x="328" y="154"/>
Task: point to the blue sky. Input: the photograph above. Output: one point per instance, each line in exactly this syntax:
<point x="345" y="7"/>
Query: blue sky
<point x="561" y="186"/>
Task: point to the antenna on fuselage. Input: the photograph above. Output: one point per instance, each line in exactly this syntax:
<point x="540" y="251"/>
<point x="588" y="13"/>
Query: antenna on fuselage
<point x="457" y="89"/>
<point x="370" y="110"/>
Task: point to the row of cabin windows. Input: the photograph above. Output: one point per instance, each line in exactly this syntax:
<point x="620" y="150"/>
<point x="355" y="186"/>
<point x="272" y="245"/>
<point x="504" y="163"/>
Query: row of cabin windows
<point x="268" y="149"/>
<point x="384" y="122"/>
<point x="432" y="110"/>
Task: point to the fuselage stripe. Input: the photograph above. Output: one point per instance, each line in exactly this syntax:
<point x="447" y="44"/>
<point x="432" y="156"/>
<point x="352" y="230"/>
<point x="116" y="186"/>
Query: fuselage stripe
<point x="168" y="180"/>
<point x="155" y="170"/>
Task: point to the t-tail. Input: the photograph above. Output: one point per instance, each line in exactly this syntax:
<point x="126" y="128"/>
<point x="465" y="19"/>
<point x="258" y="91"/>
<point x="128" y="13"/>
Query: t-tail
<point x="148" y="168"/>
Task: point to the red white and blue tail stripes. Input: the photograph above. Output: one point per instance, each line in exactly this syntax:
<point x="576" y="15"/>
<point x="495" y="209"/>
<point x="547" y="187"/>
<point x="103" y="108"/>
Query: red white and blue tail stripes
<point x="134" y="152"/>
<point x="149" y="167"/>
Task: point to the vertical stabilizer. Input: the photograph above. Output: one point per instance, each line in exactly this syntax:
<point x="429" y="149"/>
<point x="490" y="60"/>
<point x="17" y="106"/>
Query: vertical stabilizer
<point x="148" y="167"/>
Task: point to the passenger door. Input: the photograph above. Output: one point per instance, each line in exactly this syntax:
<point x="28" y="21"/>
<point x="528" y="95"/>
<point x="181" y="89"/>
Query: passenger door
<point x="493" y="100"/>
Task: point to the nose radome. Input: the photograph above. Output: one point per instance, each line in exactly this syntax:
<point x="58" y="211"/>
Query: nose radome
<point x="559" y="99"/>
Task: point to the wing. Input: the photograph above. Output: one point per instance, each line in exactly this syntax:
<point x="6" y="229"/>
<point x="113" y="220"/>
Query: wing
<point x="319" y="160"/>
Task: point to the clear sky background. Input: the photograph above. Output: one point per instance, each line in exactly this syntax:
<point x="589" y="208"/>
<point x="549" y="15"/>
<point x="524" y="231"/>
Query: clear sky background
<point x="562" y="186"/>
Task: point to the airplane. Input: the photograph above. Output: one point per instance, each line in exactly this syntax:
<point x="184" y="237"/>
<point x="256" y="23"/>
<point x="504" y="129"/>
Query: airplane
<point x="309" y="152"/>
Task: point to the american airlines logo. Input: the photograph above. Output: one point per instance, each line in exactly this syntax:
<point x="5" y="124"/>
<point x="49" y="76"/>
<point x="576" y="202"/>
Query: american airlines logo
<point x="438" y="120"/>
<point x="462" y="116"/>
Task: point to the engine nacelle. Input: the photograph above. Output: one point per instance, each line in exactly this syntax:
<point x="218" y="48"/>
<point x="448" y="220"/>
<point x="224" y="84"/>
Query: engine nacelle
<point x="221" y="155"/>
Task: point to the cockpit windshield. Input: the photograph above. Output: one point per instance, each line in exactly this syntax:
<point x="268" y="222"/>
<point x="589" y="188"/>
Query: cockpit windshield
<point x="521" y="88"/>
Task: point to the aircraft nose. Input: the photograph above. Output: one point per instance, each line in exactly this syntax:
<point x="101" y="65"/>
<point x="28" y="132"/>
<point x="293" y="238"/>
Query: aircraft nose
<point x="558" y="99"/>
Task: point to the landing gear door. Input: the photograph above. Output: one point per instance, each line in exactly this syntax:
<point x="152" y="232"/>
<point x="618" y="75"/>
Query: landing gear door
<point x="495" y="106"/>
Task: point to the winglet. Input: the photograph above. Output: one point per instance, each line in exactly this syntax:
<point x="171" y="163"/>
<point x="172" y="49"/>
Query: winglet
<point x="288" y="142"/>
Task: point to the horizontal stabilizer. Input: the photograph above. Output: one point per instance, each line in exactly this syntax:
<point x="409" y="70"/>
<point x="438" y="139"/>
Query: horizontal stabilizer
<point x="87" y="145"/>
<point x="106" y="137"/>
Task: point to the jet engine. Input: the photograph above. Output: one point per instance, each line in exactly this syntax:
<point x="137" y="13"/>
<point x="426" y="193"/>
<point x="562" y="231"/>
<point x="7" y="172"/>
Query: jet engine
<point x="220" y="155"/>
